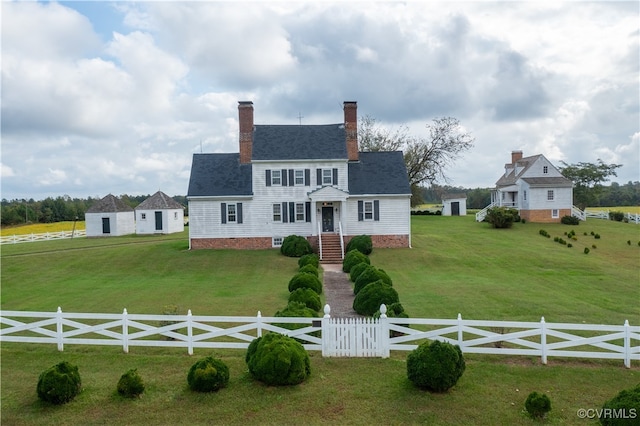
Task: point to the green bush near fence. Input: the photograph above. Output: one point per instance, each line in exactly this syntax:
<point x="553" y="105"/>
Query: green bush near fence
<point x="278" y="360"/>
<point x="59" y="384"/>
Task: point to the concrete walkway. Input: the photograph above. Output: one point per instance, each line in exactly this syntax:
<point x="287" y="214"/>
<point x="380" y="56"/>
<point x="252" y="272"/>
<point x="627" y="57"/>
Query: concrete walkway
<point x="338" y="291"/>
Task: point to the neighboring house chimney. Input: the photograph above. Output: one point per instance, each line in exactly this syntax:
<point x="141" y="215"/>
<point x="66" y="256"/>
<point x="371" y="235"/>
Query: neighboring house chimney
<point x="351" y="127"/>
<point x="515" y="156"/>
<point x="245" y="117"/>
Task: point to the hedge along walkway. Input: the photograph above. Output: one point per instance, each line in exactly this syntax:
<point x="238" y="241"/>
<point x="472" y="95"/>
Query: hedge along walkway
<point x="338" y="292"/>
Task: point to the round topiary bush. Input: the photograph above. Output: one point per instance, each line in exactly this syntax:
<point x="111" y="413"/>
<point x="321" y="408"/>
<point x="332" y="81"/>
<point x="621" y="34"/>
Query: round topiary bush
<point x="309" y="269"/>
<point x="130" y="384"/>
<point x="395" y="310"/>
<point x="369" y="299"/>
<point x="306" y="296"/>
<point x="627" y="402"/>
<point x="295" y="246"/>
<point x="368" y="276"/>
<point x="59" y="384"/>
<point x="278" y="360"/>
<point x="309" y="259"/>
<point x="356" y="270"/>
<point x="362" y="243"/>
<point x="208" y="375"/>
<point x="304" y="280"/>
<point x="352" y="258"/>
<point x="435" y="366"/>
<point x="537" y="405"/>
<point x="297" y="310"/>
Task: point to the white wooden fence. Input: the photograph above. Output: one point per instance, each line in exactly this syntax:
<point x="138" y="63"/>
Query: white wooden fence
<point x="335" y="337"/>
<point x="27" y="238"/>
<point x="604" y="214"/>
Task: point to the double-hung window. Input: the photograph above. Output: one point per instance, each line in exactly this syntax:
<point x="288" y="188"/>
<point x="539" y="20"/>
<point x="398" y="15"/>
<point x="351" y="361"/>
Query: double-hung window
<point x="545" y="169"/>
<point x="550" y="195"/>
<point x="300" y="212"/>
<point x="276" y="178"/>
<point x="327" y="177"/>
<point x="299" y="177"/>
<point x="231" y="212"/>
<point x="368" y="210"/>
<point x="277" y="212"/>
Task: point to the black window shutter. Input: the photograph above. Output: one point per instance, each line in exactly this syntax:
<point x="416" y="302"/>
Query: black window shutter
<point x="268" y="177"/>
<point x="376" y="210"/>
<point x="292" y="181"/>
<point x="360" y="211"/>
<point x="283" y="173"/>
<point x="335" y="176"/>
<point x="319" y="177"/>
<point x="292" y="212"/>
<point x="223" y="212"/>
<point x="239" y="212"/>
<point x="307" y="177"/>
<point x="285" y="216"/>
<point x="307" y="211"/>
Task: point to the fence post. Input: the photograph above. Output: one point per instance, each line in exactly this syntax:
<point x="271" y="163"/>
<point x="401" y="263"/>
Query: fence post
<point x="543" y="340"/>
<point x="326" y="334"/>
<point x="189" y="332"/>
<point x="627" y="345"/>
<point x="59" y="329"/>
<point x="385" y="344"/>
<point x="259" y="324"/>
<point x="125" y="331"/>
<point x="460" y="336"/>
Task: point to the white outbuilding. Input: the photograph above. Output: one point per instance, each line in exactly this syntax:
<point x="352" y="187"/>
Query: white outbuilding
<point x="159" y="214"/>
<point x="454" y="205"/>
<point x="109" y="217"/>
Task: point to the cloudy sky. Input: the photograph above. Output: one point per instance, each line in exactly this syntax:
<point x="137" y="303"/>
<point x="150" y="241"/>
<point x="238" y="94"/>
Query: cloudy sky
<point x="115" y="97"/>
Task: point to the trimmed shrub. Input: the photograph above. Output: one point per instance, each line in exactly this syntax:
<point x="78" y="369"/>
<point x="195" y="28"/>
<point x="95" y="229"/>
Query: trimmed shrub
<point x="208" y="375"/>
<point x="352" y="258"/>
<point x="617" y="216"/>
<point x="596" y="236"/>
<point x="362" y="243"/>
<point x="435" y="366"/>
<point x="570" y="220"/>
<point x="586" y="250"/>
<point x="537" y="405"/>
<point x="309" y="269"/>
<point x="295" y="246"/>
<point x="278" y="360"/>
<point x="356" y="270"/>
<point x="395" y="310"/>
<point x="306" y="296"/>
<point x="543" y="233"/>
<point x="309" y="259"/>
<point x="502" y="217"/>
<point x="305" y="280"/>
<point x="369" y="299"/>
<point x="59" y="384"/>
<point x="626" y="402"/>
<point x="297" y="310"/>
<point x="369" y="275"/>
<point x="130" y="384"/>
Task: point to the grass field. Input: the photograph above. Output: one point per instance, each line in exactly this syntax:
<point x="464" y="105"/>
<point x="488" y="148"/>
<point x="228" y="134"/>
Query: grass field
<point x="455" y="265"/>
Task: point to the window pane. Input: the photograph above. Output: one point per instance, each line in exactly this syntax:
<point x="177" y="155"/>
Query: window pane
<point x="327" y="176"/>
<point x="299" y="177"/>
<point x="550" y="195"/>
<point x="275" y="177"/>
<point x="300" y="212"/>
<point x="231" y="213"/>
<point x="277" y="215"/>
<point x="368" y="210"/>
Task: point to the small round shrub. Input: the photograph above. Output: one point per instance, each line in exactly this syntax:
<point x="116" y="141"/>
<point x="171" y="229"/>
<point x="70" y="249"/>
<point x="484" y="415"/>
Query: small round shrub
<point x="570" y="220"/>
<point x="309" y="259"/>
<point x="537" y="405"/>
<point x="369" y="299"/>
<point x="130" y="384"/>
<point x="278" y="360"/>
<point x="304" y="280"/>
<point x="352" y="258"/>
<point x="617" y="216"/>
<point x="309" y="269"/>
<point x="307" y="296"/>
<point x="296" y="310"/>
<point x="59" y="384"/>
<point x="596" y="236"/>
<point x="368" y="276"/>
<point x="502" y="217"/>
<point x="626" y="402"/>
<point x="362" y="243"/>
<point x="356" y="270"/>
<point x="586" y="250"/>
<point x="208" y="375"/>
<point x="435" y="366"/>
<point x="295" y="246"/>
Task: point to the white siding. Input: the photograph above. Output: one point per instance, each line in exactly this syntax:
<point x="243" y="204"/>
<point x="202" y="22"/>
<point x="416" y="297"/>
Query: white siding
<point x="561" y="198"/>
<point x="172" y="221"/>
<point x="395" y="216"/>
<point x="122" y="223"/>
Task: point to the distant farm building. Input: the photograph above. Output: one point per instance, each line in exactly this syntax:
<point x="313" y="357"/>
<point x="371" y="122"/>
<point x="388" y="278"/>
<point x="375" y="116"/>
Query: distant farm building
<point x="109" y="217"/>
<point x="159" y="214"/>
<point x="454" y="205"/>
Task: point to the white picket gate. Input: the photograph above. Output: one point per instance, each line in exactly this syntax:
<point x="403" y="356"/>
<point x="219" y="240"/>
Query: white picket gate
<point x="352" y="337"/>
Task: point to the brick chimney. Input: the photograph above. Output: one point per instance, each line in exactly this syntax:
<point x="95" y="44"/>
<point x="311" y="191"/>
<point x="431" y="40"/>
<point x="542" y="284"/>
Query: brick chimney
<point x="515" y="156"/>
<point x="351" y="127"/>
<point x="245" y="117"/>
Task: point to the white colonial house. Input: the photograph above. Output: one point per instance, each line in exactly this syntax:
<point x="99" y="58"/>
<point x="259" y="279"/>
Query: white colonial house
<point x="159" y="214"/>
<point x="109" y="217"/>
<point x="308" y="180"/>
<point x="534" y="187"/>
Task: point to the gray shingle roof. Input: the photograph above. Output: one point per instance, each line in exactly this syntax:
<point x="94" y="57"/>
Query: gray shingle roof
<point x="219" y="175"/>
<point x="379" y="173"/>
<point x="109" y="204"/>
<point x="159" y="201"/>
<point x="549" y="181"/>
<point x="305" y="142"/>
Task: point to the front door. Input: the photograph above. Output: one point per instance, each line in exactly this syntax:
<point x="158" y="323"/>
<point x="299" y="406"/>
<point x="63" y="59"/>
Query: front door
<point x="455" y="208"/>
<point x="327" y="219"/>
<point x="106" y="225"/>
<point x="158" y="221"/>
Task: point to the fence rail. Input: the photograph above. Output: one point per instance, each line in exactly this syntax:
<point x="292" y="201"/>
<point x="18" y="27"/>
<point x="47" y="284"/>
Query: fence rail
<point x="27" y="238"/>
<point x="352" y="337"/>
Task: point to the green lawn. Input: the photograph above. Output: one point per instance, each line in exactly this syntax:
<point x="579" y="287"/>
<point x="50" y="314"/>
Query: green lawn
<point x="455" y="266"/>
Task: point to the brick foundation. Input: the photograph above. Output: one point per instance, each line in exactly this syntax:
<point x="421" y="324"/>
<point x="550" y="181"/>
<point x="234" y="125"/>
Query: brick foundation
<point x="384" y="241"/>
<point x="257" y="243"/>
<point x="543" y="216"/>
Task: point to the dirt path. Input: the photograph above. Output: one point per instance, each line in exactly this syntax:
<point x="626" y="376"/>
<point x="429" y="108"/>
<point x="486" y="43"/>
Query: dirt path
<point x="338" y="291"/>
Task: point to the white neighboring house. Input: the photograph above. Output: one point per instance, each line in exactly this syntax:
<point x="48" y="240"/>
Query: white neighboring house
<point x="534" y="187"/>
<point x="159" y="214"/>
<point x="109" y="217"/>
<point x="308" y="180"/>
<point x="454" y="205"/>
